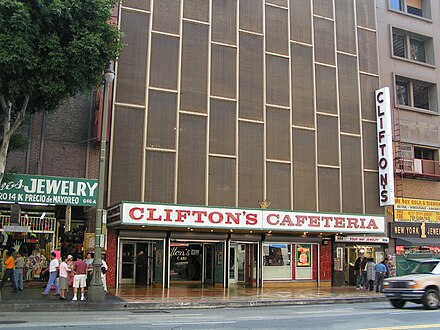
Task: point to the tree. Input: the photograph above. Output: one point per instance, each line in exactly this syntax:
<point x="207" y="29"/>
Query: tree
<point x="50" y="50"/>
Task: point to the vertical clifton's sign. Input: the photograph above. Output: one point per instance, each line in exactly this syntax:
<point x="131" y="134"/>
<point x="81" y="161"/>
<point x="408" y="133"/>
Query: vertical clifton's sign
<point x="385" y="146"/>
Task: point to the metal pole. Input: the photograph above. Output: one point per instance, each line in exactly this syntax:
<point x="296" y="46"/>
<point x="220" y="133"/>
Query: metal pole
<point x="96" y="290"/>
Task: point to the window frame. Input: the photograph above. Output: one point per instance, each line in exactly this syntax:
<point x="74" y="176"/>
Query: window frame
<point x="408" y="37"/>
<point x="410" y="82"/>
<point x="403" y="4"/>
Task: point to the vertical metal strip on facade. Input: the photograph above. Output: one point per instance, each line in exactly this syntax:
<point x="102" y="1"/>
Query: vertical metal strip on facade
<point x="237" y="108"/>
<point x="264" y="105"/>
<point x="360" y="108"/>
<point x="208" y="103"/>
<point x="338" y="105"/>
<point x="312" y="26"/>
<point x="289" y="32"/>
<point x="147" y="101"/>
<point x="179" y="95"/>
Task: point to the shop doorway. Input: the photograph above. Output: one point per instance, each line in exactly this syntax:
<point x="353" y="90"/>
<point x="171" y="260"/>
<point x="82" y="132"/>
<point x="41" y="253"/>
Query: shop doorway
<point x="209" y="264"/>
<point x="242" y="264"/>
<point x="137" y="262"/>
<point x="351" y="254"/>
<point x="196" y="264"/>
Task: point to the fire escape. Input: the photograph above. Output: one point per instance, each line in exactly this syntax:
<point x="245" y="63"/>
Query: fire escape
<point x="399" y="161"/>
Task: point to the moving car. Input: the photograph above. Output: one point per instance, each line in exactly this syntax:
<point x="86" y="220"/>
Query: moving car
<point x="422" y="286"/>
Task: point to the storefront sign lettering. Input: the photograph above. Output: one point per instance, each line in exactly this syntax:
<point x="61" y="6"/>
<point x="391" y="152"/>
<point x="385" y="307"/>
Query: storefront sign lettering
<point x="362" y="239"/>
<point x="384" y="147"/>
<point x="181" y="254"/>
<point x="49" y="190"/>
<point x="416" y="210"/>
<point x="415" y="229"/>
<point x="204" y="217"/>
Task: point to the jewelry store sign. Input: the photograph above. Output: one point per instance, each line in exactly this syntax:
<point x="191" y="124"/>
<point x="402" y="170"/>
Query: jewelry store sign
<point x="415" y="229"/>
<point x="35" y="189"/>
<point x="362" y="239"/>
<point x="416" y="210"/>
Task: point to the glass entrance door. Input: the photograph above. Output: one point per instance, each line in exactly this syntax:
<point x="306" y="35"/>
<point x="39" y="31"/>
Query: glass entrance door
<point x="233" y="269"/>
<point x="127" y="260"/>
<point x="242" y="263"/>
<point x="209" y="259"/>
<point x="144" y="263"/>
<point x="137" y="263"/>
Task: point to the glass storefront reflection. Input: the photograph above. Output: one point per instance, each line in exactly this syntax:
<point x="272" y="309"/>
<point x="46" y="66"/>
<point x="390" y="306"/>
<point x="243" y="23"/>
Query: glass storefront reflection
<point x="186" y="262"/>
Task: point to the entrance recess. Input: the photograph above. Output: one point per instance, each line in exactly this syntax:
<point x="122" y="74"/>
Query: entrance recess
<point x="196" y="264"/>
<point x="137" y="263"/>
<point x="242" y="264"/>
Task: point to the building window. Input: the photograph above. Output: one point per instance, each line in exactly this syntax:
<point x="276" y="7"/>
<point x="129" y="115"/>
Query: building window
<point x="396" y="4"/>
<point x="402" y="92"/>
<point x="277" y="261"/>
<point x="413" y="46"/>
<point x="424" y="153"/>
<point x="420" y="8"/>
<point x="416" y="94"/>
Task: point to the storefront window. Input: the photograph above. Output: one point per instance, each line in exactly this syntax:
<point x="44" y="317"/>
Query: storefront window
<point x="303" y="261"/>
<point x="277" y="261"/>
<point x="186" y="262"/>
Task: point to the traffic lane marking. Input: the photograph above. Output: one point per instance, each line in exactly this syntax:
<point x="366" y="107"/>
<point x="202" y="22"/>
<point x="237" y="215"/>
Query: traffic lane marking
<point x="403" y="327"/>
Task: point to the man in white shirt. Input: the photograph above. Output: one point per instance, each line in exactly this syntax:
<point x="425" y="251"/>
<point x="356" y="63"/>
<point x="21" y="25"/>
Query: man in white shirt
<point x="53" y="267"/>
<point x="104" y="269"/>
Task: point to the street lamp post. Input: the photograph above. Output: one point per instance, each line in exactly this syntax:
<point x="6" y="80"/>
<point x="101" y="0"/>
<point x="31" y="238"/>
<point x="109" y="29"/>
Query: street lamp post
<point x="96" y="290"/>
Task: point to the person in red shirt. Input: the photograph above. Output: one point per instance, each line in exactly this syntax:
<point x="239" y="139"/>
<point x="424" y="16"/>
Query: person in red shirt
<point x="9" y="271"/>
<point x="80" y="278"/>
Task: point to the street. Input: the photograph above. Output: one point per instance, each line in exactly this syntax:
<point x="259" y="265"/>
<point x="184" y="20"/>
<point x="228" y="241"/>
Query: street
<point x="376" y="315"/>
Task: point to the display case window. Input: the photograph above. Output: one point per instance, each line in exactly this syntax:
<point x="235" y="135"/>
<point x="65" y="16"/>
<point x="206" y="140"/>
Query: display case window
<point x="303" y="261"/>
<point x="277" y="261"/>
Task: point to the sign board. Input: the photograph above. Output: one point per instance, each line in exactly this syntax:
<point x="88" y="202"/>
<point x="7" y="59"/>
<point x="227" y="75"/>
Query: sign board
<point x="385" y="146"/>
<point x="363" y="239"/>
<point x="37" y="189"/>
<point x="415" y="230"/>
<point x="143" y="214"/>
<point x="16" y="229"/>
<point x="416" y="210"/>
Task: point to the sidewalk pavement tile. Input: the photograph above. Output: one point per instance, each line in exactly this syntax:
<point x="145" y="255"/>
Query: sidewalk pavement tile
<point x="131" y="298"/>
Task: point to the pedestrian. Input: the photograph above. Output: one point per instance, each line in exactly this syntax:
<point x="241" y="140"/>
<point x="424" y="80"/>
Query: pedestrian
<point x="381" y="271"/>
<point x="80" y="278"/>
<point x="64" y="271"/>
<point x="8" y="274"/>
<point x="54" y="266"/>
<point x="370" y="273"/>
<point x="70" y="273"/>
<point x="89" y="261"/>
<point x="364" y="280"/>
<point x="18" y="272"/>
<point x="358" y="271"/>
<point x="386" y="263"/>
<point x="104" y="269"/>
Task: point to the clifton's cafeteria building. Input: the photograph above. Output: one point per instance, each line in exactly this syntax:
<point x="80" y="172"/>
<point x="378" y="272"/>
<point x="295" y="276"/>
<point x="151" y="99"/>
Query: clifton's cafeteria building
<point x="251" y="142"/>
<point x="243" y="143"/>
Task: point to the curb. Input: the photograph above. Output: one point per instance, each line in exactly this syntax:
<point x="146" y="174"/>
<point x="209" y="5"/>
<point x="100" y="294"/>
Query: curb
<point x="151" y="306"/>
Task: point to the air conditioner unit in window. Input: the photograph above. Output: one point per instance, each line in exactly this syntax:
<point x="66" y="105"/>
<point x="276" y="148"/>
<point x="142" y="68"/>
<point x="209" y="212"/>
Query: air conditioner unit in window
<point x="418" y="166"/>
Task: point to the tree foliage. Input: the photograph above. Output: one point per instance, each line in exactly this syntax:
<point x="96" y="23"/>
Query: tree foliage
<point x="50" y="50"/>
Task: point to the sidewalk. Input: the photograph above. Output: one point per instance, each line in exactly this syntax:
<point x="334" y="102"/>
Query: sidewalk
<point x="30" y="299"/>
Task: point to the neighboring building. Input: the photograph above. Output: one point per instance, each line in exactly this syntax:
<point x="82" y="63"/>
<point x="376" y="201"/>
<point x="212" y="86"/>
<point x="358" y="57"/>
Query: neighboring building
<point x="61" y="144"/>
<point x="224" y="106"/>
<point x="408" y="59"/>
